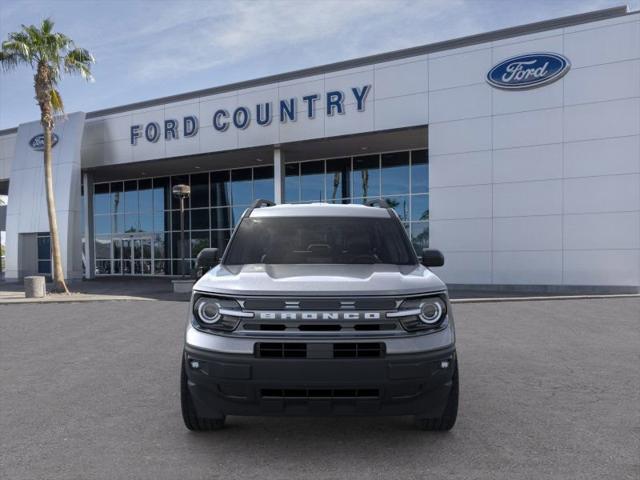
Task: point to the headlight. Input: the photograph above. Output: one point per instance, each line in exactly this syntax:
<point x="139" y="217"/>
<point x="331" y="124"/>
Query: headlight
<point x="421" y="313"/>
<point x="214" y="313"/>
<point x="208" y="310"/>
<point x="431" y="311"/>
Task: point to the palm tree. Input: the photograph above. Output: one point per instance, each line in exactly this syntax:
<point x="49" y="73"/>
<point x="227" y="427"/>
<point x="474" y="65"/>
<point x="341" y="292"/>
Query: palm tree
<point x="50" y="55"/>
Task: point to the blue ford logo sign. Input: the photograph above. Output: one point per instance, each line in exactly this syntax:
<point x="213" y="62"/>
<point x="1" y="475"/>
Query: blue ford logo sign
<point x="528" y="71"/>
<point x="37" y="142"/>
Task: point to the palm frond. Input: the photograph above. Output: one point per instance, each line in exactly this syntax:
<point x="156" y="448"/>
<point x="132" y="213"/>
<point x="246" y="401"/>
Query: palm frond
<point x="79" y="61"/>
<point x="56" y="101"/>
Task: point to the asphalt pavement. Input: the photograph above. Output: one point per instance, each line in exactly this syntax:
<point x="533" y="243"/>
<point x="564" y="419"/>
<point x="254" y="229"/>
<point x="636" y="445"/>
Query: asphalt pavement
<point x="549" y="389"/>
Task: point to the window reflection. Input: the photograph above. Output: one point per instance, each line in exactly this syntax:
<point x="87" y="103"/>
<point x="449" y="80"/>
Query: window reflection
<point x="366" y="177"/>
<point x="395" y="173"/>
<point x="312" y="181"/>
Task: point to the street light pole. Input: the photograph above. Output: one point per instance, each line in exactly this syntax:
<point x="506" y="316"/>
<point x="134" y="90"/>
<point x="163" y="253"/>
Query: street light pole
<point x="182" y="192"/>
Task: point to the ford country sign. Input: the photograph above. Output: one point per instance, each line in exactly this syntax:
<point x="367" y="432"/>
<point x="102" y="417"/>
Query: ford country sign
<point x="528" y="71"/>
<point x="37" y="142"/>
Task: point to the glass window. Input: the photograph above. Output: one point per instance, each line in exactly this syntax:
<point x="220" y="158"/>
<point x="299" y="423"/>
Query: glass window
<point x="102" y="224"/>
<point x="420" y="207"/>
<point x="145" y="195"/>
<point x="44" y="266"/>
<point x="420" y="236"/>
<point x="103" y="267"/>
<point x="395" y="173"/>
<point x="337" y="179"/>
<point x="292" y="183"/>
<point x="179" y="180"/>
<point x="117" y="248"/>
<point x="161" y="194"/>
<point x="44" y="247"/>
<point x="312" y="181"/>
<point x="131" y="203"/>
<point x="160" y="245"/>
<point x="327" y="240"/>
<point x="263" y="183"/>
<point x="200" y="190"/>
<point x="117" y="223"/>
<point x="103" y="247"/>
<point x="146" y="222"/>
<point x="220" y="218"/>
<point x="175" y="245"/>
<point x="117" y="198"/>
<point x="419" y="171"/>
<point x="161" y="221"/>
<point x="200" y="219"/>
<point x="101" y="199"/>
<point x="241" y="191"/>
<point x="400" y="205"/>
<point x="131" y="222"/>
<point x="162" y="267"/>
<point x="220" y="189"/>
<point x="199" y="240"/>
<point x="236" y="213"/>
<point x="219" y="239"/>
<point x="366" y="176"/>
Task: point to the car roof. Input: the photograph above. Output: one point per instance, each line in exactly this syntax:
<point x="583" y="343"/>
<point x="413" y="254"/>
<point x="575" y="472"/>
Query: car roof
<point x="320" y="210"/>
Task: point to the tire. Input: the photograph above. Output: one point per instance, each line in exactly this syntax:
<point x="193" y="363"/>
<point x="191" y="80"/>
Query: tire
<point x="448" y="418"/>
<point x="191" y="419"/>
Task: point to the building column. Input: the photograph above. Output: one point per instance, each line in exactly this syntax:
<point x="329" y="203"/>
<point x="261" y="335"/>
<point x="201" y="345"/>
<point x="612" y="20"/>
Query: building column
<point x="87" y="222"/>
<point x="278" y="175"/>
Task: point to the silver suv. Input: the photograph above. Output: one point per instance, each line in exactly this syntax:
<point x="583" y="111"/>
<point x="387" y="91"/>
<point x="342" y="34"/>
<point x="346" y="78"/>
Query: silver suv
<point x="319" y="309"/>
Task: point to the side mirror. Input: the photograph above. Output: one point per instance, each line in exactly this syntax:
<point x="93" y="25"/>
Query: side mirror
<point x="432" y="257"/>
<point x="206" y="260"/>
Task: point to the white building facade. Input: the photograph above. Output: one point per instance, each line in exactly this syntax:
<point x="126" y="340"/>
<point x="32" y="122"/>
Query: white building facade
<point x="515" y="152"/>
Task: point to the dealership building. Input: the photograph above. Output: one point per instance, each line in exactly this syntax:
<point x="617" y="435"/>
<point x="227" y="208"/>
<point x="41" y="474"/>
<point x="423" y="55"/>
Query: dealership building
<point x="515" y="152"/>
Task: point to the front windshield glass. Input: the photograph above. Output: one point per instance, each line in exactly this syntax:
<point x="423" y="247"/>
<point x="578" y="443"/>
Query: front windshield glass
<point x="326" y="240"/>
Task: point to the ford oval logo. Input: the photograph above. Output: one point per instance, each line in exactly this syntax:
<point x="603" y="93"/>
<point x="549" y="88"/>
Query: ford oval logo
<point x="37" y="142"/>
<point x="528" y="71"/>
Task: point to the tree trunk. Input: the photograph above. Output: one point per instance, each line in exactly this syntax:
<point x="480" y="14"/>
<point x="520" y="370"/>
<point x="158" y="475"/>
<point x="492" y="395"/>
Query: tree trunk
<point x="59" y="284"/>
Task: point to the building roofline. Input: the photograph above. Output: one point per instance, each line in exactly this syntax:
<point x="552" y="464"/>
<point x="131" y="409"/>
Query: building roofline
<point x="494" y="35"/>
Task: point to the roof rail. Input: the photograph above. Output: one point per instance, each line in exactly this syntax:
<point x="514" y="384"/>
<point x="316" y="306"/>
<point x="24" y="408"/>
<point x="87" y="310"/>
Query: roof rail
<point x="259" y="203"/>
<point x="380" y="202"/>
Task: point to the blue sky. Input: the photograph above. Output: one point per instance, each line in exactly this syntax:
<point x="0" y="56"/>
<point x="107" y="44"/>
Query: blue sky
<point x="149" y="49"/>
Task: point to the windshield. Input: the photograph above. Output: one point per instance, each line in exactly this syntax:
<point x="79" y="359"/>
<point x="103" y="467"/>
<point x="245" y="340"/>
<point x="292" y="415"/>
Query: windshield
<point x="327" y="240"/>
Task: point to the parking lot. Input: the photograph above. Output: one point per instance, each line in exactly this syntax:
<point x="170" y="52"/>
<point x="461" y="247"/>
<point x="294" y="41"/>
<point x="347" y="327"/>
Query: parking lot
<point x="549" y="389"/>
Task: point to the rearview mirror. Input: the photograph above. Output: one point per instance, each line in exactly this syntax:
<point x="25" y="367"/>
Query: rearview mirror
<point x="206" y="260"/>
<point x="432" y="257"/>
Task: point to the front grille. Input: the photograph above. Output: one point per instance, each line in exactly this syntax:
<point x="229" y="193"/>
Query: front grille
<point x="281" y="350"/>
<point x="319" y="350"/>
<point x="319" y="327"/>
<point x="305" y="393"/>
<point x="320" y="304"/>
<point x="357" y="350"/>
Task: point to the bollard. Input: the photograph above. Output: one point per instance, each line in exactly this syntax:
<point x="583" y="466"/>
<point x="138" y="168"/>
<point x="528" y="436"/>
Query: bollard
<point x="34" y="287"/>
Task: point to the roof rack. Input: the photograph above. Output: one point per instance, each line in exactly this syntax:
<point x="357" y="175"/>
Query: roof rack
<point x="380" y="202"/>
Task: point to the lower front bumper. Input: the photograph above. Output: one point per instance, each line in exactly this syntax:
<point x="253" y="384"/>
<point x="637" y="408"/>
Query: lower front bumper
<point x="229" y="384"/>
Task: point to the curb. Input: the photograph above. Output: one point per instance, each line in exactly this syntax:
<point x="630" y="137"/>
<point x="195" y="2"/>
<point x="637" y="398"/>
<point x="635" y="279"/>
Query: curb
<point x="45" y="300"/>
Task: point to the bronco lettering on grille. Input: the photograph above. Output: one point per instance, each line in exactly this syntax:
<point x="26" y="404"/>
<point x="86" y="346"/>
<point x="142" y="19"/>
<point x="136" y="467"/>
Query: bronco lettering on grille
<point x="319" y="315"/>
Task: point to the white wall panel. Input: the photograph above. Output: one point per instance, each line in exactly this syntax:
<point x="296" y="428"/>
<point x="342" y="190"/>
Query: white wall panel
<point x="599" y="231"/>
<point x="601" y="120"/>
<point x="602" y="82"/>
<point x="549" y="96"/>
<point x="459" y="103"/>
<point x="615" y="193"/>
<point x="602" y="267"/>
<point x="403" y="79"/>
<point x="529" y="268"/>
<point x="539" y="232"/>
<point x="527" y="128"/>
<point x="456" y="70"/>
<point x="540" y="162"/>
<point x="351" y="122"/>
<point x="398" y="112"/>
<point x="527" y="198"/>
<point x="345" y="82"/>
<point x="603" y="45"/>
<point x="471" y="168"/>
<point x="547" y="41"/>
<point x="608" y="156"/>
<point x="465" y="267"/>
<point x="460" y="202"/>
<point x="303" y="129"/>
<point x="461" y="235"/>
<point x="460" y="136"/>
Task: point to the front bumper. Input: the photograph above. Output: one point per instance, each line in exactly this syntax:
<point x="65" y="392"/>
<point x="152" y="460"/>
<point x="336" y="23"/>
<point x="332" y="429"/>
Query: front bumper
<point x="240" y="384"/>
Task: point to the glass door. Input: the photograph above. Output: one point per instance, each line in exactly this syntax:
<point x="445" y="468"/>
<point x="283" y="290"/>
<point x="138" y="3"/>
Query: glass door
<point x="132" y="256"/>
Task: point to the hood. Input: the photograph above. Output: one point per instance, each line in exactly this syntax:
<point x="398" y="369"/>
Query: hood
<point x="335" y="280"/>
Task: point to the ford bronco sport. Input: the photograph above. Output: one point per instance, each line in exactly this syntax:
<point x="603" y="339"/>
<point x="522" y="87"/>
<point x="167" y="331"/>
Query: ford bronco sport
<point x="319" y="309"/>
